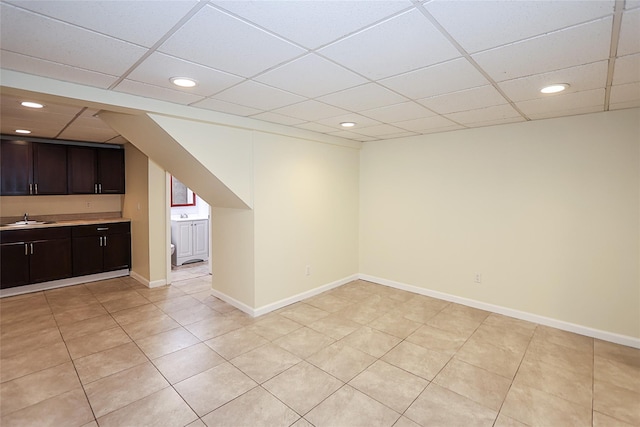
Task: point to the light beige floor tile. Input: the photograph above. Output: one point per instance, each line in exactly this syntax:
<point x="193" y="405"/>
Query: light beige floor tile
<point x="32" y="361"/>
<point x="99" y="365"/>
<point x="35" y="324"/>
<point x="304" y="342"/>
<point x="130" y="301"/>
<point x="303" y="386"/>
<point x="66" y="409"/>
<point x="146" y="328"/>
<point x="466" y="311"/>
<point x="341" y="361"/>
<point x="19" y="313"/>
<point x="214" y="387"/>
<point x="617" y="402"/>
<point x="503" y="338"/>
<point x="194" y="314"/>
<point x="185" y="363"/>
<point x="418" y="313"/>
<point x="504" y="421"/>
<point x="265" y="362"/>
<point x="397" y="294"/>
<point x="302" y="423"/>
<point x="561" y="356"/>
<point x="395" y="324"/>
<point x="86" y="327"/>
<point x="456" y="323"/>
<point x="274" y="326"/>
<point x="65" y="303"/>
<point x="192" y="286"/>
<point x="350" y="293"/>
<point x="335" y="326"/>
<point x="479" y="385"/>
<point x="82" y="313"/>
<point x="29" y="342"/>
<point x="176" y="304"/>
<point x="138" y="314"/>
<point x="303" y="313"/>
<point x="389" y="385"/>
<point x="161" y="293"/>
<point x="361" y="314"/>
<point x="213" y="327"/>
<point x="405" y="422"/>
<point x="537" y="408"/>
<point x="236" y="343"/>
<point x="620" y="374"/>
<point x="380" y="302"/>
<point x="438" y="406"/>
<point x="512" y="324"/>
<point x="95" y="343"/>
<point x="559" y="382"/>
<point x="34" y="388"/>
<point x="628" y="355"/>
<point x="487" y="356"/>
<point x="371" y="341"/>
<point x="254" y="408"/>
<point x="328" y="302"/>
<point x="118" y="390"/>
<point x="197" y="423"/>
<point x="167" y="342"/>
<point x="416" y="359"/>
<point x="162" y="408"/>
<point x="602" y="420"/>
<point x="434" y="339"/>
<point x="349" y="407"/>
<point x="577" y="342"/>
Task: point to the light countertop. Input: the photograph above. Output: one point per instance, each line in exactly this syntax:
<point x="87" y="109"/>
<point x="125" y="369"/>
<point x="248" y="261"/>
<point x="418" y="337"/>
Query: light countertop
<point x="64" y="223"/>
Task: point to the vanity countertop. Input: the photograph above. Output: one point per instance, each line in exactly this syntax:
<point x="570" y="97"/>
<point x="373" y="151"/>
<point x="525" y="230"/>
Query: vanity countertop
<point x="190" y="218"/>
<point x="64" y="223"/>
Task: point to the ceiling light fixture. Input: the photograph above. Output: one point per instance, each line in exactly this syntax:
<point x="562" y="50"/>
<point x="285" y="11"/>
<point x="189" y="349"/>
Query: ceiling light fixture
<point x="31" y="104"/>
<point x="23" y="131"/>
<point x="347" y="124"/>
<point x="554" y="88"/>
<point x="183" y="81"/>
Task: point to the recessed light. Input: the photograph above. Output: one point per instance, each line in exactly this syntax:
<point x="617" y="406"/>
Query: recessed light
<point x="347" y="124"/>
<point x="554" y="88"/>
<point x="183" y="81"/>
<point x="23" y="131"/>
<point x="31" y="104"/>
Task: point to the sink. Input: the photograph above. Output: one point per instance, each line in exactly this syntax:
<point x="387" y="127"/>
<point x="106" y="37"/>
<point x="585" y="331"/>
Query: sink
<point x="30" y="222"/>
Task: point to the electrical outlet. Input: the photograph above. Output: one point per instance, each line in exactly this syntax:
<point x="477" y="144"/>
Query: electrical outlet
<point x="477" y="278"/>
<point x="88" y="204"/>
<point x="307" y="270"/>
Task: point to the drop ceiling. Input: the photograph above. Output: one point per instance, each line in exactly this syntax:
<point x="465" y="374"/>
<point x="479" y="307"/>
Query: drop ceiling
<point x="395" y="68"/>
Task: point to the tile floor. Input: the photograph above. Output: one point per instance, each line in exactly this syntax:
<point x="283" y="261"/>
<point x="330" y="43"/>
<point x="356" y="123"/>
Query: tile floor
<point x="114" y="353"/>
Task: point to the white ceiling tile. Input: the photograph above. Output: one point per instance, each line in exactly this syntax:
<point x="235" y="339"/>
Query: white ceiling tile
<point x="311" y="110"/>
<point x="220" y="41"/>
<point x="482" y="115"/>
<point x="257" y="95"/>
<point x="366" y="138"/>
<point x="40" y="130"/>
<point x="402" y="134"/>
<point x="627" y="69"/>
<point x="403" y="43"/>
<point x="315" y="127"/>
<point x="447" y="77"/>
<point x="78" y="132"/>
<point x="225" y="107"/>
<point x="398" y="112"/>
<point x="572" y="112"/>
<point x="562" y="102"/>
<point x="360" y="121"/>
<point x="311" y="76"/>
<point x="625" y="94"/>
<point x="313" y="23"/>
<point x="502" y="121"/>
<point x="156" y="92"/>
<point x="469" y="99"/>
<point x="629" y="33"/>
<point x="348" y="135"/>
<point x="158" y="68"/>
<point x="630" y="4"/>
<point x="64" y="43"/>
<point x="480" y="25"/>
<point x="362" y="97"/>
<point x="577" y="45"/>
<point x="10" y="107"/>
<point x="140" y="22"/>
<point x="380" y="130"/>
<point x="427" y="124"/>
<point x="277" y="118"/>
<point x="27" y="64"/>
<point x="581" y="78"/>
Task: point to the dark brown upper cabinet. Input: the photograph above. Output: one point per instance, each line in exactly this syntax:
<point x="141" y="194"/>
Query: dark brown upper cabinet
<point x="95" y="170"/>
<point x="31" y="168"/>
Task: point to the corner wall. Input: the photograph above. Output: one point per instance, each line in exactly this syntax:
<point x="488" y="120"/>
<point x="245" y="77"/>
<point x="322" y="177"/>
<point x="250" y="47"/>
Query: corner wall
<point x="548" y="212"/>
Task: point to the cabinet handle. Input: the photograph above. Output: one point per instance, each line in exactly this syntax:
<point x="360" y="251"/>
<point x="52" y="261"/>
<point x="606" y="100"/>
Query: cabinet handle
<point x="30" y="188"/>
<point x="31" y="245"/>
<point x="105" y="240"/>
<point x="36" y="185"/>
<point x="100" y="240"/>
<point x="100" y="188"/>
<point x="95" y="188"/>
<point x="102" y="228"/>
<point x="26" y="249"/>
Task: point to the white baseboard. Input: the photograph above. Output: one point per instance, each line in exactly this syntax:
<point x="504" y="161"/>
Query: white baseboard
<point x="234" y="302"/>
<point x="147" y="283"/>
<point x="542" y="320"/>
<point x="53" y="284"/>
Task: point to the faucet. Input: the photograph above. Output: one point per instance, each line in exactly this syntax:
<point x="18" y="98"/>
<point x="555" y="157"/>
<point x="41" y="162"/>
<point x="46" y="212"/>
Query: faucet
<point x="26" y="217"/>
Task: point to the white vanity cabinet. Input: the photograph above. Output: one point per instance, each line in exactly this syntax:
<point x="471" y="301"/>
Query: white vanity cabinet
<point x="191" y="240"/>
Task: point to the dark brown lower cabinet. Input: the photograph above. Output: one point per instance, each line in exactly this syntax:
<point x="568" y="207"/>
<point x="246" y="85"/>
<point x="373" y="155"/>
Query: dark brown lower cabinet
<point x="34" y="256"/>
<point x="100" y="248"/>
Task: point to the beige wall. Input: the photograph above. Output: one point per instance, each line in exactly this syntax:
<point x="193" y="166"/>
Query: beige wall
<point x="306" y="213"/>
<point x="547" y="211"/>
<point x="58" y="205"/>
<point x="158" y="223"/>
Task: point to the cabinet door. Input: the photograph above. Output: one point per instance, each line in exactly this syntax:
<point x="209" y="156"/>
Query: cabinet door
<point x="14" y="265"/>
<point x="16" y="168"/>
<point x="200" y="239"/>
<point x="49" y="260"/>
<point x="111" y="171"/>
<point x="117" y="251"/>
<point x="184" y="247"/>
<point x="82" y="170"/>
<point x="87" y="255"/>
<point x="49" y="169"/>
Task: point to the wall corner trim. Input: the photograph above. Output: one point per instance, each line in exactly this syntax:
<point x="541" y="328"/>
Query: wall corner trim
<point x="542" y="320"/>
<point x="147" y="283"/>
